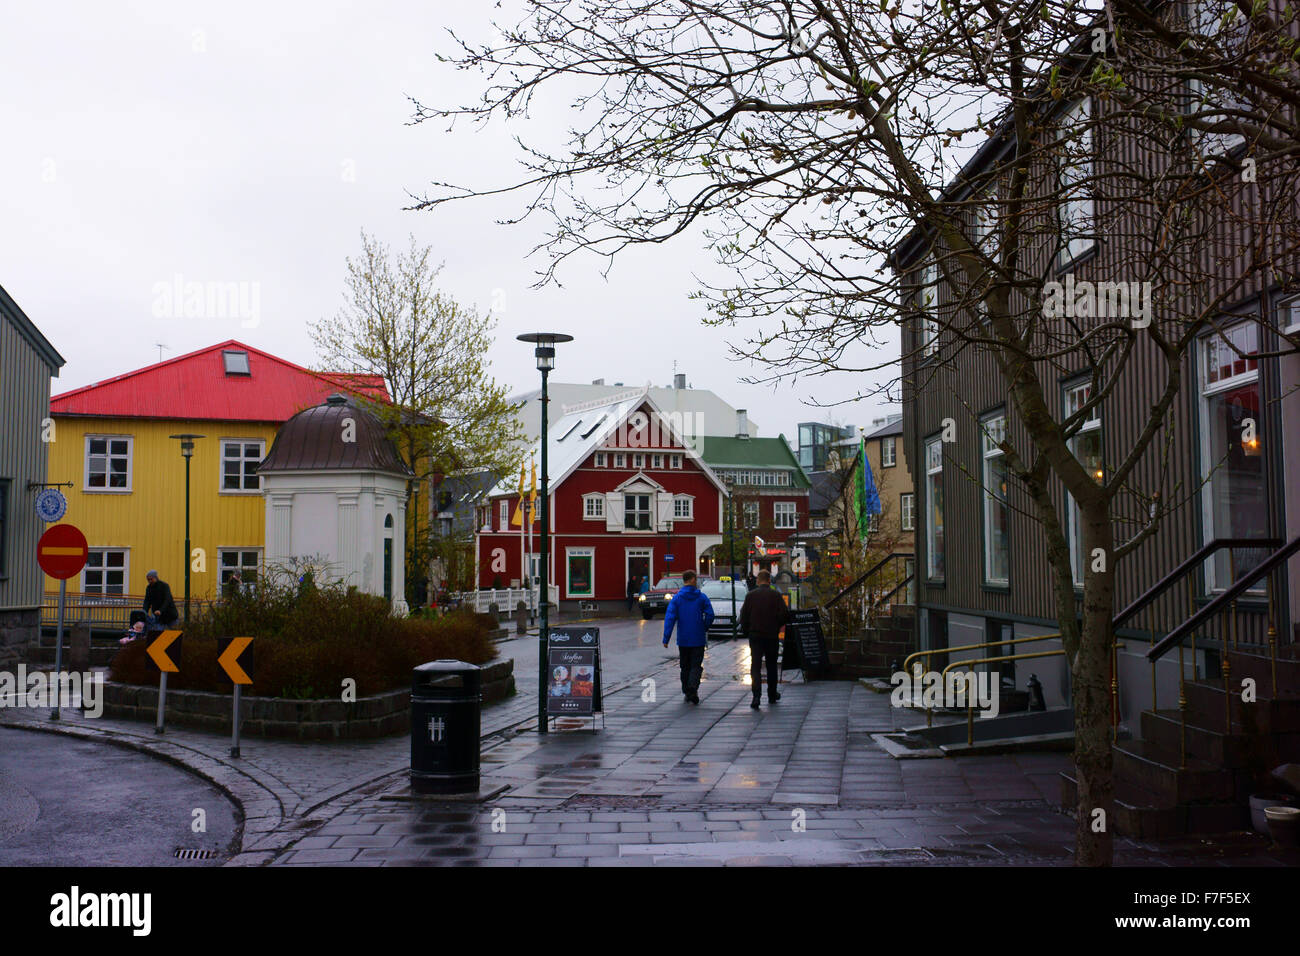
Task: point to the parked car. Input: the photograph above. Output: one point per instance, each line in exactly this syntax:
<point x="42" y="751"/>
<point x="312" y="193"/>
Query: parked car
<point x="655" y="600"/>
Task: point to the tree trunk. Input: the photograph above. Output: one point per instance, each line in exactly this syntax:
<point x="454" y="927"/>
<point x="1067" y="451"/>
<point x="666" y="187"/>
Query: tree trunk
<point x="1090" y="672"/>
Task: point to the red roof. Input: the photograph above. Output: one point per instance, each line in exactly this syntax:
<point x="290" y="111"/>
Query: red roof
<point x="196" y="387"/>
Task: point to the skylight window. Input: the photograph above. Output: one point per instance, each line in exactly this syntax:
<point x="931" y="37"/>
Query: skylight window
<point x="236" y="363"/>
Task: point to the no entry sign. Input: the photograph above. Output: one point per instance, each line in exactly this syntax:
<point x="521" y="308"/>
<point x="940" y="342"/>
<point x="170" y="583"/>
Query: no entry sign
<point x="62" y="551"/>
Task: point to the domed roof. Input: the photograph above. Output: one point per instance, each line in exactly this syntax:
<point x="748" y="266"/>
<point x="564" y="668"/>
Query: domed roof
<point x="314" y="440"/>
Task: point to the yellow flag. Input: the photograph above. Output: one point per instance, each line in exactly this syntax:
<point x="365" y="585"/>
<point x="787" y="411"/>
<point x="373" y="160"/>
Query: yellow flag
<point x="532" y="494"/>
<point x="517" y="519"/>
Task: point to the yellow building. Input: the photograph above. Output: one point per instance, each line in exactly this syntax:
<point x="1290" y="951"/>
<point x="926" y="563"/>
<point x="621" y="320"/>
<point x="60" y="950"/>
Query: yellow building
<point x="113" y="444"/>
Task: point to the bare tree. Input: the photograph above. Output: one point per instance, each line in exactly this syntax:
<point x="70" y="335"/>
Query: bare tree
<point x="820" y="146"/>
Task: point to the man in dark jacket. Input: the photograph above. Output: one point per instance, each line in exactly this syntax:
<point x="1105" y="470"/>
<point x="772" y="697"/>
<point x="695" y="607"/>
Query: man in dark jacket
<point x="158" y="600"/>
<point x="692" y="613"/>
<point x="762" y="616"/>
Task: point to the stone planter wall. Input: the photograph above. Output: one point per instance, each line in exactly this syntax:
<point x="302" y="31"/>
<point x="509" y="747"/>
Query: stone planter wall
<point x="379" y="716"/>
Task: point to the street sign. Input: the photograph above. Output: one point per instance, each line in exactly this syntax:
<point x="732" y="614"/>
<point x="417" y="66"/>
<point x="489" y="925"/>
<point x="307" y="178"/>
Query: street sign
<point x="235" y="655"/>
<point x="668" y="557"/>
<point x="62" y="551"/>
<point x="163" y="654"/>
<point x="50" y="505"/>
<point x="573" y="659"/>
<point x="230" y="655"/>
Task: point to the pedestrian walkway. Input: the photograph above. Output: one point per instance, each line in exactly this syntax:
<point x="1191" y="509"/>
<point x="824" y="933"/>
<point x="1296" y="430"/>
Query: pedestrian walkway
<point x="665" y="782"/>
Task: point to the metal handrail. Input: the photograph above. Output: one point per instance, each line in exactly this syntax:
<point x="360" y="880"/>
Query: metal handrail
<point x="884" y="598"/>
<point x="975" y="647"/>
<point x="1176" y="636"/>
<point x="1194" y="561"/>
<point x="876" y="567"/>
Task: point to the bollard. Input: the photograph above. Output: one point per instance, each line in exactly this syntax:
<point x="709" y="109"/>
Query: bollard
<point x="521" y="618"/>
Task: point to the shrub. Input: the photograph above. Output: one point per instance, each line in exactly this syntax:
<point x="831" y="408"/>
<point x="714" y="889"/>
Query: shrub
<point x="309" y="640"/>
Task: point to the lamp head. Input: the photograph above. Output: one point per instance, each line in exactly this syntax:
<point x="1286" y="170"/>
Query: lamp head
<point x="187" y="443"/>
<point x="545" y="342"/>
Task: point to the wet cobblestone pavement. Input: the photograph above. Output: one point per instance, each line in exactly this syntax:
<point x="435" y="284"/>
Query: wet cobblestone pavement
<point x="799" y="782"/>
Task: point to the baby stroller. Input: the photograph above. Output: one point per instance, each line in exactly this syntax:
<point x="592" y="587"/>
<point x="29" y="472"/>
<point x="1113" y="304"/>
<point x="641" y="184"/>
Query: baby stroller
<point x="140" y="627"/>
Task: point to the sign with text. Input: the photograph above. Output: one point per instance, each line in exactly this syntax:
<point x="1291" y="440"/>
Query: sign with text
<point x="805" y="642"/>
<point x="573" y="671"/>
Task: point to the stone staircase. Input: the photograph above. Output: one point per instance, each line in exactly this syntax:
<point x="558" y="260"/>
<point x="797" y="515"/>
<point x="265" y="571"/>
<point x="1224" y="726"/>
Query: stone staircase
<point x="875" y="650"/>
<point x="1158" y="794"/>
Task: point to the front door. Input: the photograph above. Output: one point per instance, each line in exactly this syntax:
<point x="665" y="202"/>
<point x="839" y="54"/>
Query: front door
<point x="638" y="566"/>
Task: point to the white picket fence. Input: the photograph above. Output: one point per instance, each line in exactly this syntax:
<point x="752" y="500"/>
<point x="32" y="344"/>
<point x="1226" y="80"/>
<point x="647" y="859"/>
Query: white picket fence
<point x="506" y="598"/>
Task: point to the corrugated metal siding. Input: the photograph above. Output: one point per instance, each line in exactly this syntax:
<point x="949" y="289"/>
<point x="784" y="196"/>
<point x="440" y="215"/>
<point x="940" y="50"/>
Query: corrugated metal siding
<point x="975" y="386"/>
<point x="25" y="387"/>
<point x="196" y="387"/>
<point x="150" y="520"/>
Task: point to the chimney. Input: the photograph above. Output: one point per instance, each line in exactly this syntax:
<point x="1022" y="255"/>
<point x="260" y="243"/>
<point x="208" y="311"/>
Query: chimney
<point x="597" y="381"/>
<point x="742" y="423"/>
<point x="679" y="380"/>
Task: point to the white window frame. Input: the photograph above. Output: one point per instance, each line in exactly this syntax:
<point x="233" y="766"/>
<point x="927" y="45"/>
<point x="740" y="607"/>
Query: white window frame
<point x="240" y="566"/>
<point x="1206" y="20"/>
<point x="889" y="460"/>
<point x="638" y="460"/>
<point x="984" y="229"/>
<point x="108" y="457"/>
<point x="221" y="465"/>
<point x="907" y="511"/>
<point x="648" y="511"/>
<point x="927" y="304"/>
<point x="600" y="460"/>
<point x="570" y="553"/>
<point x="746" y="506"/>
<point x="935" y="571"/>
<point x="992" y="432"/>
<point x="656" y="461"/>
<point x="126" y="570"/>
<point x="593" y="506"/>
<point x="785" y="515"/>
<point x="620" y="460"/>
<point x="503" y="514"/>
<point x="683" y="507"/>
<point x="1208" y="390"/>
<point x="1075" y="398"/>
<point x="1075" y="164"/>
<point x="674" y="461"/>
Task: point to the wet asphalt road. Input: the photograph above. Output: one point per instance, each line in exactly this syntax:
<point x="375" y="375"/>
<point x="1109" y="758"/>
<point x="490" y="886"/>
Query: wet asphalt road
<point x="65" y="802"/>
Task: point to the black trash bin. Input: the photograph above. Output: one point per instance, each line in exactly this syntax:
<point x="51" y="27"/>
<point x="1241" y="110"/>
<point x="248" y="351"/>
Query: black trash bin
<point x="445" y="703"/>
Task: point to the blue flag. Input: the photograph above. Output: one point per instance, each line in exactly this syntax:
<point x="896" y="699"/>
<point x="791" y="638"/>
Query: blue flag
<point x="868" y="496"/>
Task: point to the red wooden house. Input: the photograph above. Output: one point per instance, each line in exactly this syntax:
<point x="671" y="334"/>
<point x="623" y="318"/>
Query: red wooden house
<point x="628" y="497"/>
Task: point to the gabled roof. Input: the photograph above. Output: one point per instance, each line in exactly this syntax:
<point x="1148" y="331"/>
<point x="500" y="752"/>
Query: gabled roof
<point x="576" y="435"/>
<point x="30" y="333"/>
<point x="728" y="452"/>
<point x="196" y="387"/>
<point x="894" y="427"/>
<point x="639" y="478"/>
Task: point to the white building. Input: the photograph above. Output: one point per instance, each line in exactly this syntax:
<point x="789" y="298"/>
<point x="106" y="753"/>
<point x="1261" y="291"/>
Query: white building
<point x="336" y="487"/>
<point x="695" y="412"/>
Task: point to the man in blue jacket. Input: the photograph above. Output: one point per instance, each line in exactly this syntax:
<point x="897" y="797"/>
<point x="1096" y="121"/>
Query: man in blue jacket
<point x="692" y="613"/>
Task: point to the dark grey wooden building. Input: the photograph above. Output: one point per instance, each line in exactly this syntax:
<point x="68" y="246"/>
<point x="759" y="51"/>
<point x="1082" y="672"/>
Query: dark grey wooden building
<point x="27" y="362"/>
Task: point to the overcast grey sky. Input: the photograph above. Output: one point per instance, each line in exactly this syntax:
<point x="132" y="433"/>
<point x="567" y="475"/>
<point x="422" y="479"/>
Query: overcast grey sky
<point x="151" y="143"/>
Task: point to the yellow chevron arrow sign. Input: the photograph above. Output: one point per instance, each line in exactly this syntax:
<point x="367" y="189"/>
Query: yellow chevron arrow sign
<point x="157" y="651"/>
<point x="230" y="651"/>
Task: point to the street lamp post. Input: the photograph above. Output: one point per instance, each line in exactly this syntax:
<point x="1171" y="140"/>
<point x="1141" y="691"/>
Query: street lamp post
<point x="545" y="343"/>
<point x="187" y="452"/>
<point x="731" y="560"/>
